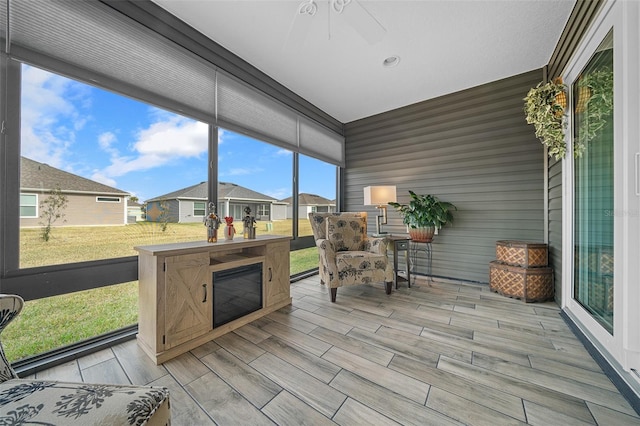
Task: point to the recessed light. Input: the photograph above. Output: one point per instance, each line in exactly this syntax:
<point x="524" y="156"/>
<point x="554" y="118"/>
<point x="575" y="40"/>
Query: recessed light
<point x="391" y="61"/>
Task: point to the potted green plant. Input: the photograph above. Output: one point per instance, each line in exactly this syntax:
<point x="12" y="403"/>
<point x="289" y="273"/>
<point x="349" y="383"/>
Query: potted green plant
<point x="424" y="214"/>
<point x="544" y="108"/>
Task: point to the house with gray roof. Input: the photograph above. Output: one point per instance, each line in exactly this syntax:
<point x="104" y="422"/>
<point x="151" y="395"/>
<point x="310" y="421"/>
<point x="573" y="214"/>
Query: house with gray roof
<point x="88" y="202"/>
<point x="190" y="204"/>
<point x="309" y="203"/>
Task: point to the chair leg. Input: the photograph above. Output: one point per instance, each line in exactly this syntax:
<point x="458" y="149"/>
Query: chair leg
<point x="333" y="293"/>
<point x="387" y="286"/>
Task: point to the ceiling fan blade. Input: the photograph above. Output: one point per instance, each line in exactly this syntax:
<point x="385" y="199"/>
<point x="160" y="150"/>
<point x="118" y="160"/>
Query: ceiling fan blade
<point x="363" y="22"/>
<point x="299" y="28"/>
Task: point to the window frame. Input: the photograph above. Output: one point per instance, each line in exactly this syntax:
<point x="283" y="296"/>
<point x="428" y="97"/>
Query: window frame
<point x="103" y="199"/>
<point x="203" y="209"/>
<point x="36" y="206"/>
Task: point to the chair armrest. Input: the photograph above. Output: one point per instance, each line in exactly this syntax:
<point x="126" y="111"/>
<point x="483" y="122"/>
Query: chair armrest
<point x="376" y="245"/>
<point x="329" y="268"/>
<point x="326" y="249"/>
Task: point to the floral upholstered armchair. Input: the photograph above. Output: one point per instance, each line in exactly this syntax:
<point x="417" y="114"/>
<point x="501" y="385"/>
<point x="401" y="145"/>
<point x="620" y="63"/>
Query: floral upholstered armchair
<point x="48" y="402"/>
<point x="347" y="255"/>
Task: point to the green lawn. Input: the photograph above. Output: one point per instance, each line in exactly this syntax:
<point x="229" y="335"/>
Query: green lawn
<point x="49" y="323"/>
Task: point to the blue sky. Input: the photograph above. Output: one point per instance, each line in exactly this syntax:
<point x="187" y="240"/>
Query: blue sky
<point x="144" y="150"/>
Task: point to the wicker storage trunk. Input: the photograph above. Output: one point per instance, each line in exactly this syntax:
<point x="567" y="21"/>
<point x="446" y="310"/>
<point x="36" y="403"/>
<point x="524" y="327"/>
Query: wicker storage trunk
<point x="528" y="284"/>
<point x="522" y="253"/>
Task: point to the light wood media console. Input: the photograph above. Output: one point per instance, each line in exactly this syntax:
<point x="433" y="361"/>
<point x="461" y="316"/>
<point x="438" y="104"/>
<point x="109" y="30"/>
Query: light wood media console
<point x="176" y="290"/>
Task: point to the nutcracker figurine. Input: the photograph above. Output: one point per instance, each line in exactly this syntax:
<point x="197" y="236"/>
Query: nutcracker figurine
<point x="212" y="222"/>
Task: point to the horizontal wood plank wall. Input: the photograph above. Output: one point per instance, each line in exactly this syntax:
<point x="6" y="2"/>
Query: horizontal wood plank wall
<point x="472" y="148"/>
<point x="581" y="17"/>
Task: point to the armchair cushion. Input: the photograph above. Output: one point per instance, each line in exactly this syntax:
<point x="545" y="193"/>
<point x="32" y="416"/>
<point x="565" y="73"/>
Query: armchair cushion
<point x="46" y="402"/>
<point x="64" y="403"/>
<point x="346" y="233"/>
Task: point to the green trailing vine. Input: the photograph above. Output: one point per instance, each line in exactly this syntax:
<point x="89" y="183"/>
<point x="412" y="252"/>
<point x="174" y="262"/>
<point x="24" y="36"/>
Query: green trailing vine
<point x="593" y="113"/>
<point x="544" y="110"/>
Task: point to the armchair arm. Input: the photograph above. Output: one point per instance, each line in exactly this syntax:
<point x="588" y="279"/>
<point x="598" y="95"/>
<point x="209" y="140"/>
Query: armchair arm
<point x="376" y="245"/>
<point x="328" y="267"/>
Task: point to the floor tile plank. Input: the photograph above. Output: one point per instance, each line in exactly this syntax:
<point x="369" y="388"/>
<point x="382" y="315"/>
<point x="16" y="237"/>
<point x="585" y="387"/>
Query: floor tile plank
<point x="306" y="387"/>
<point x="465" y="411"/>
<point x="109" y="371"/>
<point x="570" y="405"/>
<point x="307" y="362"/>
<point x="353" y="413"/>
<point x="224" y="405"/>
<point x="253" y="386"/>
<point x="492" y="398"/>
<point x="287" y="410"/>
<point x="399" y="383"/>
<point x="140" y="369"/>
<point x="184" y="409"/>
<point x="392" y="405"/>
<point x="600" y="396"/>
<point x="354" y="345"/>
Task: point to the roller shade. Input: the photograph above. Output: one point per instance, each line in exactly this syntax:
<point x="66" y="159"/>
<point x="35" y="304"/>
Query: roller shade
<point x="241" y="106"/>
<point x="90" y="41"/>
<point x="318" y="141"/>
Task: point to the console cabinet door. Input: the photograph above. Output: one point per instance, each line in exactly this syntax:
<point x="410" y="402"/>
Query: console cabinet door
<point x="188" y="298"/>
<point x="276" y="273"/>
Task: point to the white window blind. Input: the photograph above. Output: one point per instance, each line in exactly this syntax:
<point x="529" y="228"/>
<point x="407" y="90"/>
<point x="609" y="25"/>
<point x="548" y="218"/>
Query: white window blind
<point x="239" y="105"/>
<point x="90" y="41"/>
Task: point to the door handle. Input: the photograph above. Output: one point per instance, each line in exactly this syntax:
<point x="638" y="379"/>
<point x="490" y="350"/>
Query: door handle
<point x="204" y="286"/>
<point x="270" y="274"/>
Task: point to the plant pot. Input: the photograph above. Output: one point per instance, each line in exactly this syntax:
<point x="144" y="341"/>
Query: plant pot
<point x="422" y="235"/>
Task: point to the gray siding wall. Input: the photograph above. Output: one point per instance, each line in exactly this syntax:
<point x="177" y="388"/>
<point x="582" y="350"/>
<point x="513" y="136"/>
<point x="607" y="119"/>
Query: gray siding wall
<point x="472" y="148"/>
<point x="578" y="23"/>
<point x="555" y="224"/>
<point x="186" y="212"/>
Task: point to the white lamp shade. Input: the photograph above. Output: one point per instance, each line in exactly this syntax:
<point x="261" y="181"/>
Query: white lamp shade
<point x="379" y="195"/>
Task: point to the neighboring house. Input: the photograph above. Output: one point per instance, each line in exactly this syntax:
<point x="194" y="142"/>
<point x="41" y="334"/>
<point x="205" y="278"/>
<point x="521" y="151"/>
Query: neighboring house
<point x="190" y="204"/>
<point x="309" y="203"/>
<point x="88" y="202"/>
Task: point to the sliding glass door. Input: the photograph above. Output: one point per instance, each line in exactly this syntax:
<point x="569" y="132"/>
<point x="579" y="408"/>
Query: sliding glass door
<point x="594" y="212"/>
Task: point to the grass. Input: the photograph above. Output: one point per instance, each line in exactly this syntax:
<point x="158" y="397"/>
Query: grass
<point x="53" y="322"/>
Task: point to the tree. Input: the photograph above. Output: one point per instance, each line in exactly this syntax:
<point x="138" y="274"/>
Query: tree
<point x="164" y="218"/>
<point x="52" y="209"/>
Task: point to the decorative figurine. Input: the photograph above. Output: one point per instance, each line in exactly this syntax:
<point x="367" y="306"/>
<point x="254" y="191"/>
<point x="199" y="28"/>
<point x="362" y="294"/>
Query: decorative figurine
<point x="249" y="224"/>
<point x="229" y="230"/>
<point x="212" y="222"/>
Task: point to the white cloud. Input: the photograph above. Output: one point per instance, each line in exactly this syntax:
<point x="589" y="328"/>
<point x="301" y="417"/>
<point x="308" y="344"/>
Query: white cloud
<point x="106" y="141"/>
<point x="99" y="177"/>
<point x="239" y="171"/>
<point x="278" y="193"/>
<point x="46" y="107"/>
<point x="161" y="143"/>
<point x="283" y="153"/>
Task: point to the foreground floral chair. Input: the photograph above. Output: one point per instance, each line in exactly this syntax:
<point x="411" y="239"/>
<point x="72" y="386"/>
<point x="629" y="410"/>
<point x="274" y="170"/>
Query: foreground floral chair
<point x="46" y="402"/>
<point x="347" y="255"/>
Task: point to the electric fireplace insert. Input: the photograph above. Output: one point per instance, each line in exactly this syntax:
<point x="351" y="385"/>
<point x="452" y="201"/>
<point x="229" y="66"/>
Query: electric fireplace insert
<point x="236" y="293"/>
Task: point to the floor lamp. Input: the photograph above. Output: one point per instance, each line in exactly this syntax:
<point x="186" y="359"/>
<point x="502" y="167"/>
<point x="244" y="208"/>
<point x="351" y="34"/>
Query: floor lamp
<point x="380" y="196"/>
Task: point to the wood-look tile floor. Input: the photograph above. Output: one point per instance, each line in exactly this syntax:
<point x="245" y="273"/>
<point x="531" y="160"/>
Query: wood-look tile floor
<point x="439" y="353"/>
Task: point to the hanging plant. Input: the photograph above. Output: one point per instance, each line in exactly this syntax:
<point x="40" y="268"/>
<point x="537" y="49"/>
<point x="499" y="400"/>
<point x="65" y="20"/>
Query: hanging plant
<point x="544" y="108"/>
<point x="594" y="106"/>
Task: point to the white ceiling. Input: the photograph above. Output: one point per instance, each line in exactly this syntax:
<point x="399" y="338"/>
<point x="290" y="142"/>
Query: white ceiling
<point x="444" y="46"/>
